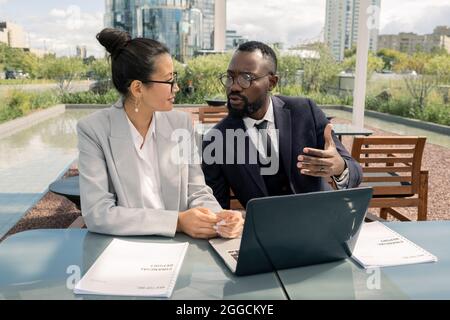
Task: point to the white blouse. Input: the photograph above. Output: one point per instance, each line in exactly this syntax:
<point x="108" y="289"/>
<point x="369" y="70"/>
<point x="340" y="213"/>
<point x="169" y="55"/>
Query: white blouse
<point x="148" y="166"/>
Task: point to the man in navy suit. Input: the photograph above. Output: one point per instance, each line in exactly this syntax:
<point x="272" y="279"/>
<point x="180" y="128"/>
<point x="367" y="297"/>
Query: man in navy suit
<point x="271" y="145"/>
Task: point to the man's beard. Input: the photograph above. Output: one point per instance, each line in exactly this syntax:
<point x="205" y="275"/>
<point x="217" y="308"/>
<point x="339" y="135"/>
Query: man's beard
<point x="248" y="109"/>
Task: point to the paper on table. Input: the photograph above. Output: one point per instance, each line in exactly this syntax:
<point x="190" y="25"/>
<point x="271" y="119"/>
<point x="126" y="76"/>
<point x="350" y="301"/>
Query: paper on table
<point x="128" y="268"/>
<point x="380" y="246"/>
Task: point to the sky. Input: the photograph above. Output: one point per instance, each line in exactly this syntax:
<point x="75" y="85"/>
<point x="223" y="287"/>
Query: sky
<point x="60" y="25"/>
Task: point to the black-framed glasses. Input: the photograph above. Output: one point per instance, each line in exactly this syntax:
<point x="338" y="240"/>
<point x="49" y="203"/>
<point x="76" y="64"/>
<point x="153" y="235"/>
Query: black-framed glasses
<point x="244" y="80"/>
<point x="172" y="83"/>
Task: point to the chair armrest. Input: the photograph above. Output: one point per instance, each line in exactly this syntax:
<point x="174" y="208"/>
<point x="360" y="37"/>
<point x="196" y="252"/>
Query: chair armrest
<point x="371" y="218"/>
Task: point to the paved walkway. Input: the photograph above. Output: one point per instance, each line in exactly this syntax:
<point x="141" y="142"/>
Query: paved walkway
<point x="30" y="160"/>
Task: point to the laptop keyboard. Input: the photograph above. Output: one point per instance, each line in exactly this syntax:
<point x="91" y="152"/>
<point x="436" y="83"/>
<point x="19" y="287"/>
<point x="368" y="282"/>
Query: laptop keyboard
<point x="234" y="254"/>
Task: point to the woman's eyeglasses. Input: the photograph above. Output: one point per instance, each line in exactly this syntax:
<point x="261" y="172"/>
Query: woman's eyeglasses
<point x="172" y="83"/>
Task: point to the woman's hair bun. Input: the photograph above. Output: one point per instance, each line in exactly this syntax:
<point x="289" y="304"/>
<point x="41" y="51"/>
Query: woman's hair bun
<point x="113" y="40"/>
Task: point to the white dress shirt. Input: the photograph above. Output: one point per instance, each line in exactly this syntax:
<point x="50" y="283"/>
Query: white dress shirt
<point x="271" y="130"/>
<point x="148" y="165"/>
<point x="341" y="181"/>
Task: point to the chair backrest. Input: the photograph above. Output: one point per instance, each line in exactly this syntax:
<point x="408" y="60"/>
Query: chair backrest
<point x="390" y="164"/>
<point x="212" y="114"/>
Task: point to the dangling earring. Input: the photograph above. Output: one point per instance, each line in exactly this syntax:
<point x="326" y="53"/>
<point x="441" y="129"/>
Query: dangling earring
<point x="136" y="106"/>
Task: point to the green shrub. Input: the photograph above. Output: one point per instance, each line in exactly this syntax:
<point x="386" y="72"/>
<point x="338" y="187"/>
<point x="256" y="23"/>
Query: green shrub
<point x="321" y="98"/>
<point x="89" y="97"/>
<point x="203" y="73"/>
<point x="437" y="113"/>
<point x="406" y="107"/>
<point x="21" y="103"/>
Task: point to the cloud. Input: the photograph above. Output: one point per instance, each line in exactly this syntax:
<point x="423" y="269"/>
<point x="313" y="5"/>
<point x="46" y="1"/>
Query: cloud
<point x="72" y="16"/>
<point x="58" y="13"/>
<point x="417" y="20"/>
<point x="63" y="29"/>
<point x="289" y="21"/>
<point x="297" y="21"/>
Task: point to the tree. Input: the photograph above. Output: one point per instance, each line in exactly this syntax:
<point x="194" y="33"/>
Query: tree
<point x="318" y="72"/>
<point x="350" y="52"/>
<point x="391" y="57"/>
<point x="421" y="77"/>
<point x="100" y="70"/>
<point x="89" y="60"/>
<point x="30" y="64"/>
<point x="16" y="59"/>
<point x="287" y="69"/>
<point x="439" y="65"/>
<point x="202" y="74"/>
<point x="63" y="70"/>
<point x="374" y="63"/>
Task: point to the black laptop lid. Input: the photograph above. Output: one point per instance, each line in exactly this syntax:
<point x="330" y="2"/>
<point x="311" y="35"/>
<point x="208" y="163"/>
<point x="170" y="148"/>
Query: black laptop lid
<point x="303" y="229"/>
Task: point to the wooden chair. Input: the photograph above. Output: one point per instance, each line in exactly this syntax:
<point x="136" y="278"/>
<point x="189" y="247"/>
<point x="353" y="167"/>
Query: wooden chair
<point x="235" y="204"/>
<point x="392" y="166"/>
<point x="212" y="114"/>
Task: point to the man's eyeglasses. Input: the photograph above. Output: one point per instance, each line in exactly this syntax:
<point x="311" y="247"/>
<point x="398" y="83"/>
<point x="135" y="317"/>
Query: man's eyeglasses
<point x="172" y="83"/>
<point x="244" y="80"/>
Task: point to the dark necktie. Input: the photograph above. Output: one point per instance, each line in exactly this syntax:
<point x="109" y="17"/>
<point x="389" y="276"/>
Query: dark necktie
<point x="265" y="138"/>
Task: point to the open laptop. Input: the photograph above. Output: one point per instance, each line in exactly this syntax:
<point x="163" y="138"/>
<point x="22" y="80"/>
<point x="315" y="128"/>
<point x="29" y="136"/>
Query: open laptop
<point x="296" y="230"/>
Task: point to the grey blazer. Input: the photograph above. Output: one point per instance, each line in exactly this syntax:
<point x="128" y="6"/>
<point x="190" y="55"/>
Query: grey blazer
<point x="111" y="195"/>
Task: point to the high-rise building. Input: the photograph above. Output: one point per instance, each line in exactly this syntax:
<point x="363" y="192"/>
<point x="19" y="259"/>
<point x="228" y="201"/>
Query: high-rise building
<point x="185" y="26"/>
<point x="118" y="14"/>
<point x="13" y="35"/>
<point x="81" y="52"/>
<point x="207" y="10"/>
<point x="341" y="26"/>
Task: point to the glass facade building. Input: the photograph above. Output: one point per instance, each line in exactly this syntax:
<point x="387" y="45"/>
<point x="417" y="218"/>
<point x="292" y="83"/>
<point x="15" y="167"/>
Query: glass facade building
<point x="185" y="26"/>
<point x="118" y="14"/>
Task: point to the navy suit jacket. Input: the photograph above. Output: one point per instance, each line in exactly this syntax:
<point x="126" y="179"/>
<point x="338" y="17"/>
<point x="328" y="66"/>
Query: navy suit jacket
<point x="301" y="124"/>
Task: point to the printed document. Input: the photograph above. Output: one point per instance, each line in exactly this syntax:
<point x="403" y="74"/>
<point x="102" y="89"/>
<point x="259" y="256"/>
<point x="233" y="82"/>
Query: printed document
<point x="380" y="246"/>
<point x="130" y="268"/>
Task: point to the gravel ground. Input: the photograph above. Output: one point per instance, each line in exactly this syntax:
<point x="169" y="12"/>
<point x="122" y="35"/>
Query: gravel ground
<point x="56" y="212"/>
<point x="52" y="212"/>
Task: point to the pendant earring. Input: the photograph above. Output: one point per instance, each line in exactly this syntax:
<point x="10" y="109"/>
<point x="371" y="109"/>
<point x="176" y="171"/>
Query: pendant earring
<point x="136" y="107"/>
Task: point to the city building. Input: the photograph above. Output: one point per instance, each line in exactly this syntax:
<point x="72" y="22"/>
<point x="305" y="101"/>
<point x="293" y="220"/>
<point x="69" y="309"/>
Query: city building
<point x="410" y="43"/>
<point x="81" y="52"/>
<point x="3" y="36"/>
<point x="13" y="35"/>
<point x="234" y="39"/>
<point x="118" y="14"/>
<point x="185" y="26"/>
<point x="341" y="26"/>
<point x="442" y="30"/>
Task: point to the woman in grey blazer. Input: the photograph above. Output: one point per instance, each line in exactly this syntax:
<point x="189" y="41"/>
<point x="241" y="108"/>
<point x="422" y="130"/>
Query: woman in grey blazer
<point x="133" y="177"/>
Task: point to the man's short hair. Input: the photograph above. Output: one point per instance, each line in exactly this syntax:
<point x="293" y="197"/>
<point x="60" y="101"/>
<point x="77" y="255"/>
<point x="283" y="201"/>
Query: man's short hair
<point x="266" y="51"/>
